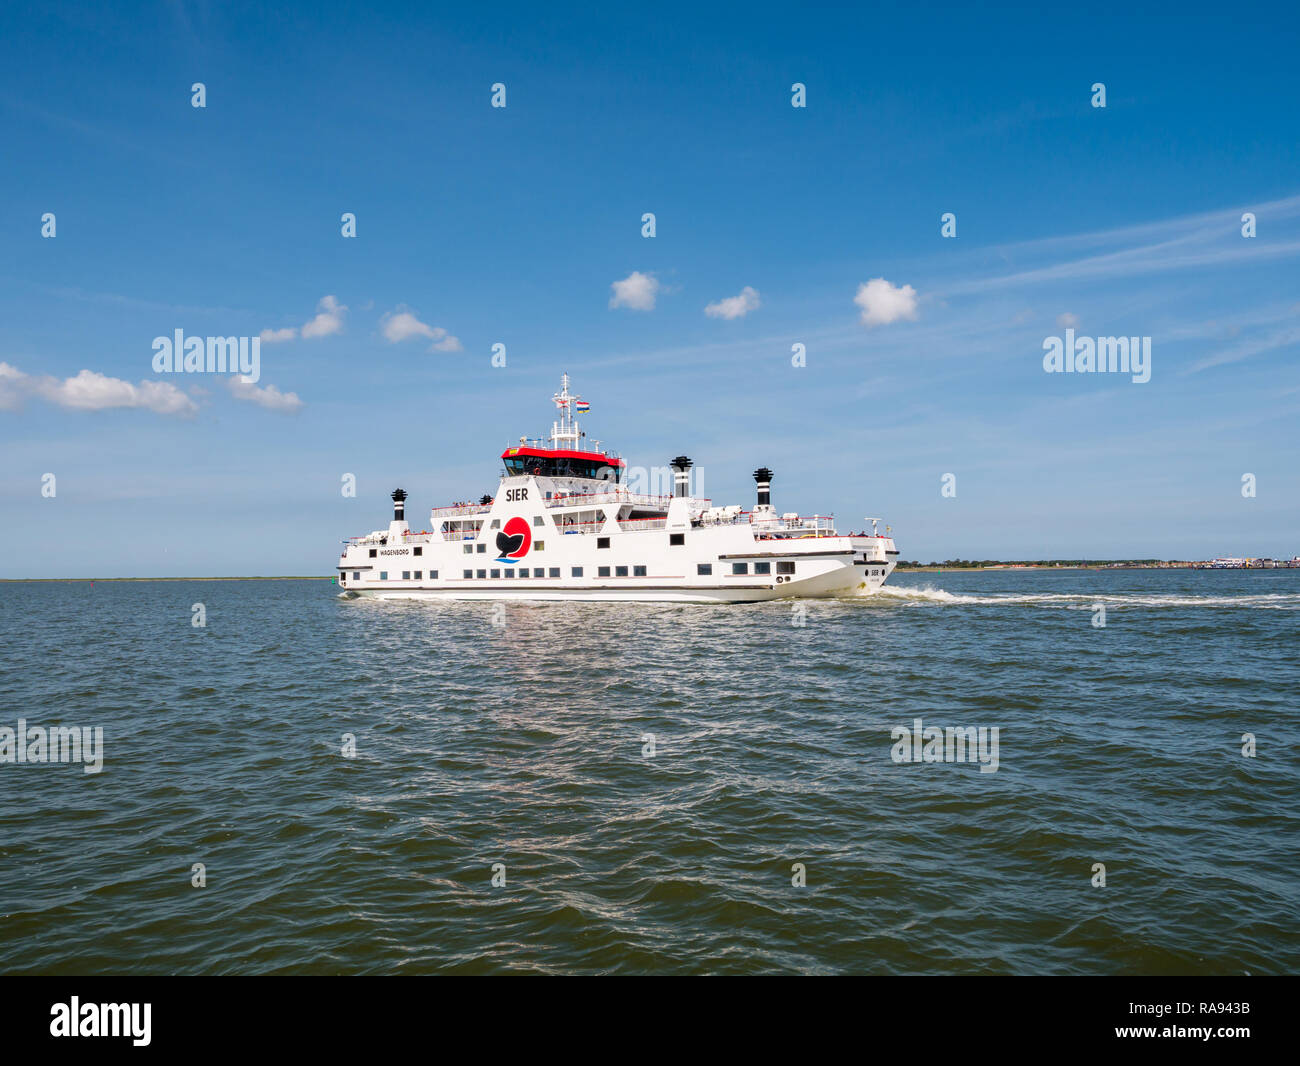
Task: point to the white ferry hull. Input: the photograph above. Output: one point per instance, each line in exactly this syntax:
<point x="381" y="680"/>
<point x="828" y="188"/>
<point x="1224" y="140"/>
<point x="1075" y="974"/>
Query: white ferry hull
<point x="844" y="581"/>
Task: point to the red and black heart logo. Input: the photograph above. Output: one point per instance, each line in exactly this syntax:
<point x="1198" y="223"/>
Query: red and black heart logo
<point x="514" y="540"/>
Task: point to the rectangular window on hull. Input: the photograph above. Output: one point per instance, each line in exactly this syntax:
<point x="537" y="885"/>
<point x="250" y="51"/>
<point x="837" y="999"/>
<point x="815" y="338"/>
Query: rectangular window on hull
<point x="373" y="552"/>
<point x="638" y="571"/>
<point x="509" y="572"/>
<point x="539" y="546"/>
<point x="620" y="571"/>
<point x="419" y="574"/>
<point x="496" y="573"/>
<point x="383" y="575"/>
<point x="740" y="568"/>
<point x="469" y="549"/>
<point x="762" y="568"/>
<point x="602" y="571"/>
<point x="433" y="575"/>
<point x="356" y="575"/>
<point x="601" y="542"/>
<point x="417" y="551"/>
<point x="406" y="575"/>
<point x="555" y="571"/>
<point x="674" y="539"/>
<point x="468" y="573"/>
<point x="480" y="548"/>
<point x="482" y="573"/>
<point x="576" y="571"/>
<point x="785" y="568"/>
<point x="704" y="569"/>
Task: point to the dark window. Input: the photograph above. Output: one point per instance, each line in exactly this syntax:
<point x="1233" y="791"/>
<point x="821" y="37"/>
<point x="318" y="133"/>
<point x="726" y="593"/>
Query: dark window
<point x="638" y="571"/>
<point x="406" y="575"/>
<point x="601" y="542"/>
<point x="496" y="573"/>
<point x="785" y="568"/>
<point x="704" y="569"/>
<point x="469" y="573"/>
<point x="373" y="552"/>
<point x="356" y="575"/>
<point x="496" y="524"/>
<point x="577" y="571"/>
<point x="539" y="545"/>
<point x="740" y="568"/>
<point x="620" y="571"/>
<point x="675" y="539"/>
<point x="433" y="575"/>
<point x="481" y="548"/>
<point x="523" y="571"/>
<point x="762" y="568"/>
<point x="538" y="520"/>
<point x="555" y="571"/>
<point x="509" y="572"/>
<point x="419" y="574"/>
<point x="417" y="551"/>
<point x="383" y="575"/>
<point x="482" y="573"/>
<point x="469" y="549"/>
<point x="602" y="571"/>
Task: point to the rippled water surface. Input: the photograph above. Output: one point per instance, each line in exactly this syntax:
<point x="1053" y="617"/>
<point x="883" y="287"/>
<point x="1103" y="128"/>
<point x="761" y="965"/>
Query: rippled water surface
<point x="522" y="738"/>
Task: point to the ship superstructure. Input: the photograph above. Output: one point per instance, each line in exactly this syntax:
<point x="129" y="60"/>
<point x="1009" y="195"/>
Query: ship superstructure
<point x="564" y="525"/>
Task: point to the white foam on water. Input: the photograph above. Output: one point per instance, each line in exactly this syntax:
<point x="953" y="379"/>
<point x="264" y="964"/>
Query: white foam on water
<point x="1277" y="601"/>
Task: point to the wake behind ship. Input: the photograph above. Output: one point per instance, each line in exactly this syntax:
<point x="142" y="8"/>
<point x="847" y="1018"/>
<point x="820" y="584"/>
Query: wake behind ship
<point x="564" y="526"/>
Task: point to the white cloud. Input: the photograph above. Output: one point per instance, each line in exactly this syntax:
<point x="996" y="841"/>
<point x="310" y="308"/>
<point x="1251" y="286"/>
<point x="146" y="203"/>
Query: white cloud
<point x="1067" y="320"/>
<point x="735" y="306"/>
<point x="883" y="303"/>
<point x="328" y="320"/>
<point x="636" y="291"/>
<point x="269" y="397"/>
<point x="92" y="391"/>
<point x="401" y="325"/>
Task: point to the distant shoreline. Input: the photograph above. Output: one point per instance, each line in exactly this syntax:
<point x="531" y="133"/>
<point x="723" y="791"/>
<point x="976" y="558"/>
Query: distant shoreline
<point x="287" y="577"/>
<point x="1015" y="567"/>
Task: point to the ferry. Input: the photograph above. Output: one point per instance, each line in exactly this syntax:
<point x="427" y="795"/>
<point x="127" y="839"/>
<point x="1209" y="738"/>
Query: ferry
<point x="564" y="525"/>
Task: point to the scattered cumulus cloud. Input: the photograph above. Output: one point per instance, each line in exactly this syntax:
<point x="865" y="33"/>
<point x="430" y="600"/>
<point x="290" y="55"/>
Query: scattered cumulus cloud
<point x="1067" y="320"/>
<point x="883" y="303"/>
<point x="637" y="291"/>
<point x="269" y="396"/>
<point x="735" y="306"/>
<point x="401" y="325"/>
<point x="89" y="390"/>
<point x="328" y="320"/>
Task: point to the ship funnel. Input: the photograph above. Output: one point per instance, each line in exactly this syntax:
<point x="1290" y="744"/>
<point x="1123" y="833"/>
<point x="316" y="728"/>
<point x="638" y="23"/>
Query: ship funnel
<point x="399" y="505"/>
<point x="681" y="475"/>
<point x="763" y="478"/>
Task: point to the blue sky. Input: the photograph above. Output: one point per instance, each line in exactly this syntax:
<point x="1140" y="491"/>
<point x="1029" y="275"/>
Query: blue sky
<point x="511" y="225"/>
